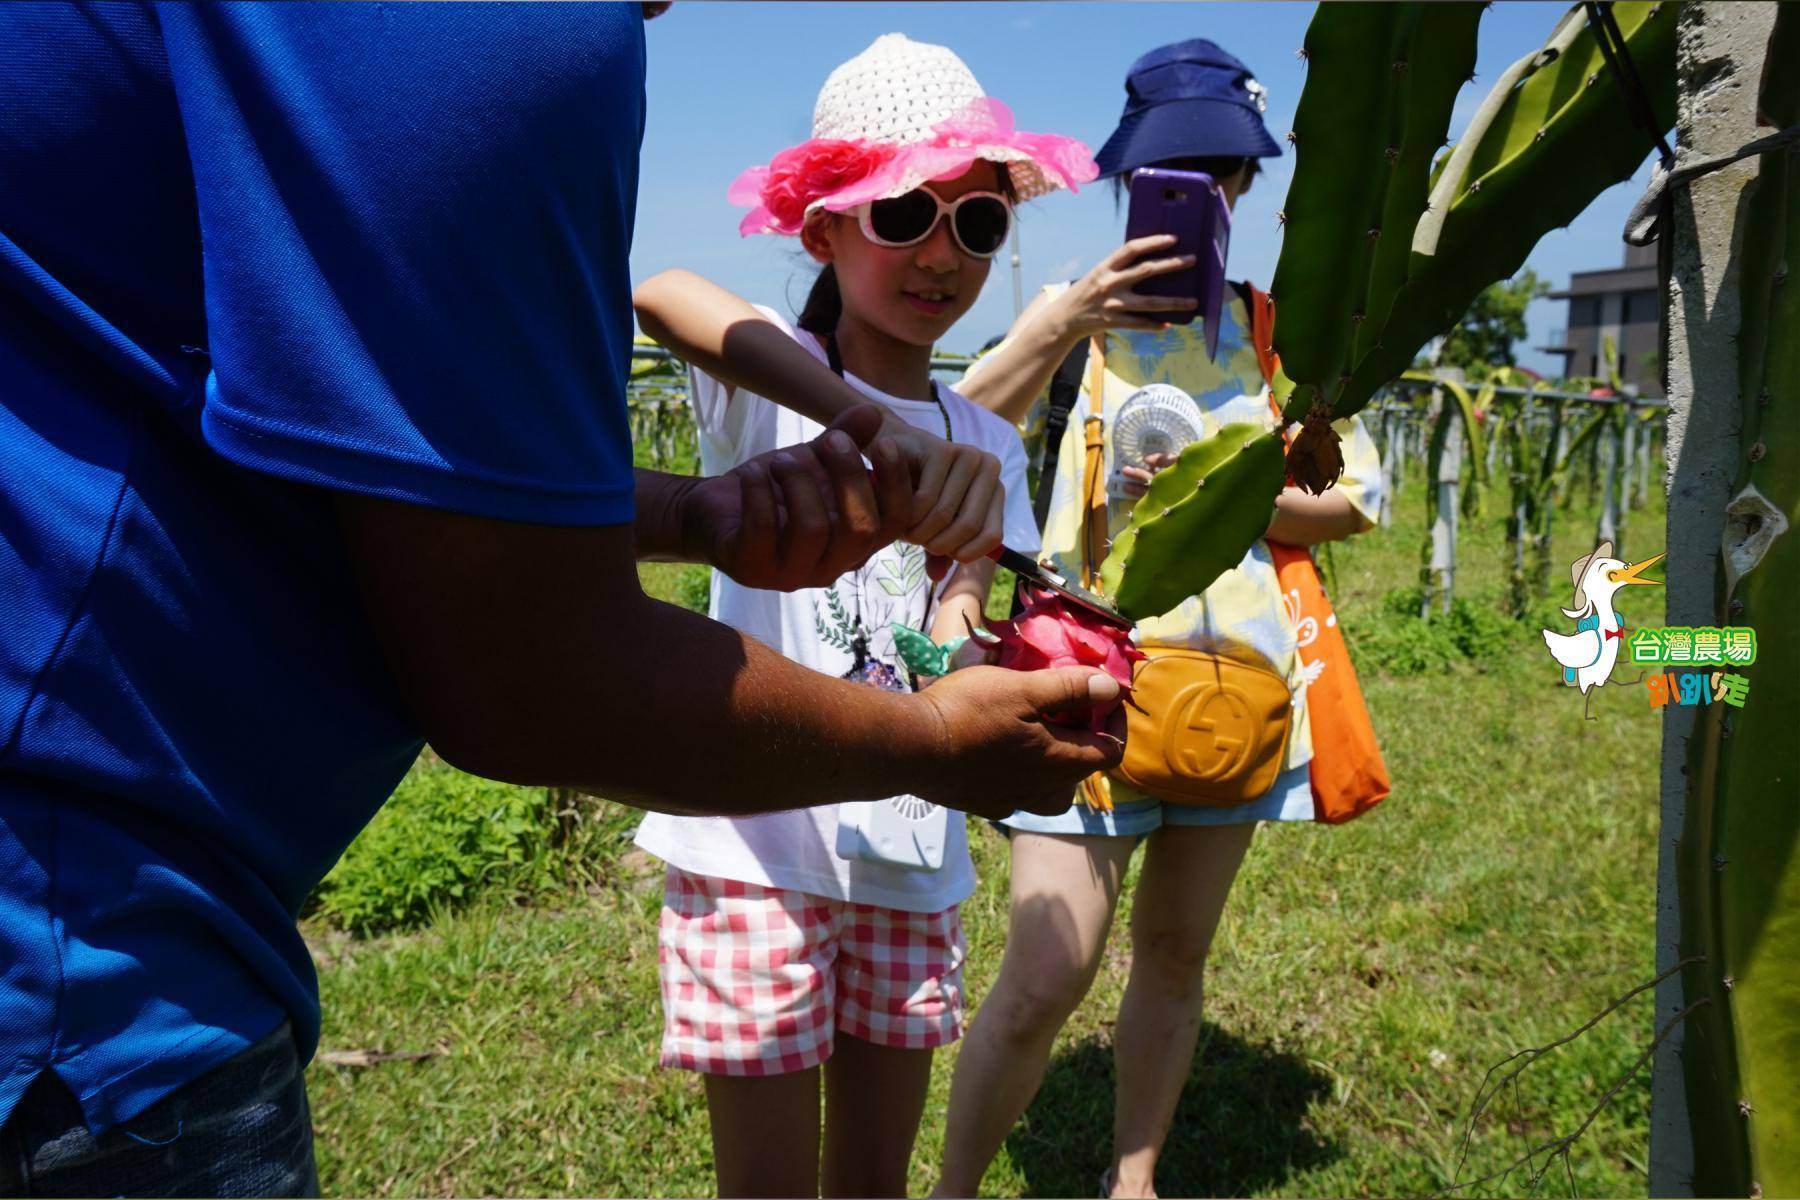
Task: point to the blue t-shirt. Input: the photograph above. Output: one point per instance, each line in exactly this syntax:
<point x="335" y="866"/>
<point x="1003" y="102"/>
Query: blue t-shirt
<point x="250" y="254"/>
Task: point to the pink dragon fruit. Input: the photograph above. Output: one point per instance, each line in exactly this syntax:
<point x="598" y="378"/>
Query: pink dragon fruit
<point x="1051" y="632"/>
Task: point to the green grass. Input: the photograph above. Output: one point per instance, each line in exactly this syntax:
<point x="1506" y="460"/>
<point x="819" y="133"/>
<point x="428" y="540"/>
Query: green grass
<point x="1363" y="980"/>
<point x="446" y="838"/>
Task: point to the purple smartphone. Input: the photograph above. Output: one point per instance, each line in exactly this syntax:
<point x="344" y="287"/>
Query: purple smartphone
<point x="1188" y="205"/>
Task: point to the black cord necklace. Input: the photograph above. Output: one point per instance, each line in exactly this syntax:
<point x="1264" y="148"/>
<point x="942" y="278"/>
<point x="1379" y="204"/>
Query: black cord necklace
<point x="836" y="360"/>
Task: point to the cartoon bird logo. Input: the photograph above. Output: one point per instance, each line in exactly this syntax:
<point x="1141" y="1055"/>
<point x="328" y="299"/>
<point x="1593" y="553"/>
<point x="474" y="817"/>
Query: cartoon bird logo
<point x="1587" y="655"/>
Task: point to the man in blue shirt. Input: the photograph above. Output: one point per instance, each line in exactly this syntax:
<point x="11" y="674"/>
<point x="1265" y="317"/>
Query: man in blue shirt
<point x="314" y="326"/>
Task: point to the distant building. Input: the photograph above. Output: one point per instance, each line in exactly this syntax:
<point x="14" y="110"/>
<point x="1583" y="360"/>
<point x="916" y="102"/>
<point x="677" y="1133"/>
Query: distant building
<point x="1620" y="302"/>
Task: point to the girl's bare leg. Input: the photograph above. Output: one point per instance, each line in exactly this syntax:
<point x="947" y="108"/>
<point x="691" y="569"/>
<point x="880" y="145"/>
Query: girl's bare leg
<point x="1064" y="890"/>
<point x="1187" y="873"/>
<point x="765" y="1132"/>
<point x="874" y="1096"/>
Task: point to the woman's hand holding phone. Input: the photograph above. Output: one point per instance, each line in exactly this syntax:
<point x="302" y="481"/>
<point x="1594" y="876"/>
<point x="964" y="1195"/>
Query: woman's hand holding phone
<point x="1104" y="298"/>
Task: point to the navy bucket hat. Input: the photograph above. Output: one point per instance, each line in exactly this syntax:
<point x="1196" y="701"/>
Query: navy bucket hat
<point x="1187" y="100"/>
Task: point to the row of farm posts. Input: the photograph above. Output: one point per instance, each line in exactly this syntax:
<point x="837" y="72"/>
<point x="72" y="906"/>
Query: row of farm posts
<point x="1544" y="444"/>
<point x="662" y="425"/>
<point x="1453" y="439"/>
<point x="656" y="400"/>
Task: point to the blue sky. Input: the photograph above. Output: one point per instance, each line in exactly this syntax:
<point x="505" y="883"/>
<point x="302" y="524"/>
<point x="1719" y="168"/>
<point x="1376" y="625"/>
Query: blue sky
<point x="732" y="84"/>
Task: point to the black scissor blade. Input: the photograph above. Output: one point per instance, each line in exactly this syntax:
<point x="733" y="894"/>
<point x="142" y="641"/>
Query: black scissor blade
<point x="1040" y="575"/>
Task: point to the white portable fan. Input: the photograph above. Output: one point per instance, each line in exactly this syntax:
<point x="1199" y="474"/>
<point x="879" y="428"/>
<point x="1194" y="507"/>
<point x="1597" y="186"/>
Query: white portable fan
<point x="1157" y="419"/>
<point x="901" y="831"/>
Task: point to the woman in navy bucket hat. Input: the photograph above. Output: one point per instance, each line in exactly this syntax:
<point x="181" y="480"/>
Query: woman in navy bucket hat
<point x="1188" y="100"/>
<point x="1189" y="106"/>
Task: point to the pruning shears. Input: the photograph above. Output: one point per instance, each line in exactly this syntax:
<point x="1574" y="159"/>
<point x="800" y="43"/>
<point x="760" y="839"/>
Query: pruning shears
<point x="1038" y="575"/>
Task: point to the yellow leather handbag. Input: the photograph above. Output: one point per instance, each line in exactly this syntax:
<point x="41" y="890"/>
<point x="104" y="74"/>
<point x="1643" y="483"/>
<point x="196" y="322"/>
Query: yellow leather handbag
<point x="1202" y="728"/>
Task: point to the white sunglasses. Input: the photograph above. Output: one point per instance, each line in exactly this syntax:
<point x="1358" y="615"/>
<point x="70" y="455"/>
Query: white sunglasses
<point x="979" y="221"/>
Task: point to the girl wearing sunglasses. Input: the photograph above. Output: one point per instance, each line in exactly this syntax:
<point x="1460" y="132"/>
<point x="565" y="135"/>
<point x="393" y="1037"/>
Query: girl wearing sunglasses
<point x="796" y="953"/>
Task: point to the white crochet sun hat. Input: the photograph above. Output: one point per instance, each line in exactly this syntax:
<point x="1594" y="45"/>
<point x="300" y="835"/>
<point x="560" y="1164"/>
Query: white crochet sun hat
<point x="899" y="114"/>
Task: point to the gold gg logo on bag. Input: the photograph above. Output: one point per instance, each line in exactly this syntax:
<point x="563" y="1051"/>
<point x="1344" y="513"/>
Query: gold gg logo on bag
<point x="1210" y="731"/>
<point x="1204" y="730"/>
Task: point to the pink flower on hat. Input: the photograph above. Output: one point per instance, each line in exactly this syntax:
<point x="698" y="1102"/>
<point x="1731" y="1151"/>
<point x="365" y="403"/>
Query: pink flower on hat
<point x="800" y="175"/>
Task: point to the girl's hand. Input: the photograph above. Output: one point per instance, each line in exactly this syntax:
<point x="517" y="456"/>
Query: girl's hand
<point x="1104" y="298"/>
<point x="1137" y="479"/>
<point x="958" y="503"/>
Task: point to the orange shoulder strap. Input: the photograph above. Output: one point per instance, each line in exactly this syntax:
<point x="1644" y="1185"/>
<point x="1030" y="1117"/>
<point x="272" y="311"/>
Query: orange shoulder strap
<point x="1262" y="340"/>
<point x="1262" y="332"/>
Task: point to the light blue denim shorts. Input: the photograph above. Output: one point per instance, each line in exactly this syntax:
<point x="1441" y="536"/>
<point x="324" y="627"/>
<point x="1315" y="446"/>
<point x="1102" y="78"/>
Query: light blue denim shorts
<point x="1289" y="800"/>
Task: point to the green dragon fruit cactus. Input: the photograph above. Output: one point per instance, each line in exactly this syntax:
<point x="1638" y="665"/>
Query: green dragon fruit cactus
<point x="1196" y="521"/>
<point x="1381" y="84"/>
<point x="1534" y="479"/>
<point x="1386" y="242"/>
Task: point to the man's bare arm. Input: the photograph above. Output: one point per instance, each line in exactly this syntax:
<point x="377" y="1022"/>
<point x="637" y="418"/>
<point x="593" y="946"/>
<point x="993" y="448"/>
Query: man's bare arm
<point x="529" y="653"/>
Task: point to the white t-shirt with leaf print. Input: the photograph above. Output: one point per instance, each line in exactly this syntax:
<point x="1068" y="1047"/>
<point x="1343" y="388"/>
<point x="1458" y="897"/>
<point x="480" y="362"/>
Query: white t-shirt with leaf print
<point x="818" y="627"/>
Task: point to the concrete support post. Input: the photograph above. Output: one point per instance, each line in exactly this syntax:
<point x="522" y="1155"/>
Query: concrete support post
<point x="1719" y="60"/>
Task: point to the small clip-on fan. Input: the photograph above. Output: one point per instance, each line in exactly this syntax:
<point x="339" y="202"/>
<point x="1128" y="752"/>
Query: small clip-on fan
<point x="1157" y="419"/>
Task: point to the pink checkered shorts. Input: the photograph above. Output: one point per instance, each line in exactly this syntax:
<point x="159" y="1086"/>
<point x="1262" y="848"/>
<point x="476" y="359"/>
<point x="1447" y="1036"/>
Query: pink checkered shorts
<point x="757" y="980"/>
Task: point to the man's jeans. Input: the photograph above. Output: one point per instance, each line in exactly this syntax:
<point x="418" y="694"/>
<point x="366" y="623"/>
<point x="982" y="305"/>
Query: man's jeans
<point x="242" y="1129"/>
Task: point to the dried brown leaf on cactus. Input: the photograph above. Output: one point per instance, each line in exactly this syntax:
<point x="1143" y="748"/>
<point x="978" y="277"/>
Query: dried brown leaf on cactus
<point x="1316" y="458"/>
